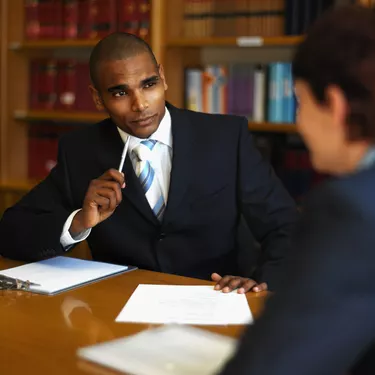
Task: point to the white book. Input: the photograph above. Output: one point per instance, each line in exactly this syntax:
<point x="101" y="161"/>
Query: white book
<point x="62" y="273"/>
<point x="166" y="350"/>
<point x="259" y="103"/>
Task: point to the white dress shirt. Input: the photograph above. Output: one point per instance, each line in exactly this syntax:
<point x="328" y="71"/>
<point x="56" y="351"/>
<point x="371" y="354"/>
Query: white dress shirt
<point x="161" y="162"/>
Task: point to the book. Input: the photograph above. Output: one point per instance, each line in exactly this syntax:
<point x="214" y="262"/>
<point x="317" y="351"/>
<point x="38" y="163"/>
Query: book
<point x="166" y="350"/>
<point x="59" y="274"/>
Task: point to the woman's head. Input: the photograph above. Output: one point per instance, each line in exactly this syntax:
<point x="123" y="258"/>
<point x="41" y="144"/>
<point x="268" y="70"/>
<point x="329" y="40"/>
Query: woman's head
<point x="334" y="71"/>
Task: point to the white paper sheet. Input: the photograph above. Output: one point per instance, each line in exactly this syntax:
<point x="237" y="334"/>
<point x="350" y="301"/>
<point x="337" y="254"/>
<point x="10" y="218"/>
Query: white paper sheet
<point x="163" y="304"/>
<point x="177" y="350"/>
<point x="61" y="273"/>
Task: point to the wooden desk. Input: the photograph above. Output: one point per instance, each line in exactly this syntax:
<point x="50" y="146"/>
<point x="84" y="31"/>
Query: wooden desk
<point x="36" y="339"/>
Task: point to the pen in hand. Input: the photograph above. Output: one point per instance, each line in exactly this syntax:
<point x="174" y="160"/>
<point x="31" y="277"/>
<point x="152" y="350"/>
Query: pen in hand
<point x="123" y="156"/>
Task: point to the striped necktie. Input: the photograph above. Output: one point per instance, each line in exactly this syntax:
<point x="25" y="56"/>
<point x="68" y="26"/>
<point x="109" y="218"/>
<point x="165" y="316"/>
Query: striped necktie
<point x="147" y="177"/>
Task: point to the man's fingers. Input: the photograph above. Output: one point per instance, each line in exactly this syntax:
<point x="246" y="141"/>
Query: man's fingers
<point x="215" y="277"/>
<point x="111" y="196"/>
<point x="260" y="287"/>
<point x="113" y="175"/>
<point x="99" y="201"/>
<point x="223" y="282"/>
<point x="233" y="284"/>
<point x="99" y="187"/>
<point x="247" y="285"/>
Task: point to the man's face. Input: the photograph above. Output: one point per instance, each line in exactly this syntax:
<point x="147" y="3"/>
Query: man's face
<point x="322" y="126"/>
<point x="132" y="91"/>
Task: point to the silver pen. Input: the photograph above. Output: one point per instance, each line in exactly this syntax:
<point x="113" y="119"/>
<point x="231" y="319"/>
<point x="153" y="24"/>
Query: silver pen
<point x="123" y="156"/>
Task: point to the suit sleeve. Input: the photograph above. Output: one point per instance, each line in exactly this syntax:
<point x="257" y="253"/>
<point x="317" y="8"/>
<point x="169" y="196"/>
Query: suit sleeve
<point x="268" y="209"/>
<point x="322" y="320"/>
<point x="31" y="229"/>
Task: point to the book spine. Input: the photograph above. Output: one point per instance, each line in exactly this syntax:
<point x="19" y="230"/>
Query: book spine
<point x="193" y="89"/>
<point x="259" y="94"/>
<point x="32" y="20"/>
<point x="127" y="20"/>
<point x="84" y="101"/>
<point x="66" y="85"/>
<point x="144" y="19"/>
<point x="70" y="19"/>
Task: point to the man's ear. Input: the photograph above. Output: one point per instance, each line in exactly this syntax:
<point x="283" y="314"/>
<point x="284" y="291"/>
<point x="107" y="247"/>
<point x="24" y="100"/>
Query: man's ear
<point x="162" y="76"/>
<point x="337" y="106"/>
<point x="96" y="98"/>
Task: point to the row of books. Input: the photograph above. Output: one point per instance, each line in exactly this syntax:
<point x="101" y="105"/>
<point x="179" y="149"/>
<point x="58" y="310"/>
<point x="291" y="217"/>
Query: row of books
<point x="258" y="92"/>
<point x="207" y="18"/>
<point x="60" y="85"/>
<point x="85" y="19"/>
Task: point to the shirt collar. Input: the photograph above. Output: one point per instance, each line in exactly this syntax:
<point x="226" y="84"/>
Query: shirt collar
<point x="368" y="160"/>
<point x="163" y="133"/>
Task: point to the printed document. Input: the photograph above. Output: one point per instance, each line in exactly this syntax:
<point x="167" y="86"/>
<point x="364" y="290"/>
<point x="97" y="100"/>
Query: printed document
<point x="164" y="304"/>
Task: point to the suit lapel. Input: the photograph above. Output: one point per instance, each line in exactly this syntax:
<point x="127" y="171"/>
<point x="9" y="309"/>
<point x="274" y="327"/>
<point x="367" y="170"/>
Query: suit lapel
<point x="181" y="168"/>
<point x="109" y="157"/>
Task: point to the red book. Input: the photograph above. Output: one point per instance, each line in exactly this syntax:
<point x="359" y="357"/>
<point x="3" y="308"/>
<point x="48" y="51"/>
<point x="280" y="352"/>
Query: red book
<point x="66" y="86"/>
<point x="32" y="22"/>
<point x="144" y="18"/>
<point x="84" y="100"/>
<point x="84" y="19"/>
<point x="96" y="18"/>
<point x="43" y="84"/>
<point x="43" y="147"/>
<point x="43" y="19"/>
<point x="127" y="19"/>
<point x="42" y="151"/>
<point x="105" y="20"/>
<point x="57" y="19"/>
<point x="70" y="19"/>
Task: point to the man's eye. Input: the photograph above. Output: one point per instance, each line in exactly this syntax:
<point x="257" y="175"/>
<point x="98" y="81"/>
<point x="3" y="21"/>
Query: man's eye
<point x="119" y="93"/>
<point x="148" y="85"/>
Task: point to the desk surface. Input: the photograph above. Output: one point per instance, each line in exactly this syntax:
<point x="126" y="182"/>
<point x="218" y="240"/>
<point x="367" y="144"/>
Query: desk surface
<point x="35" y="338"/>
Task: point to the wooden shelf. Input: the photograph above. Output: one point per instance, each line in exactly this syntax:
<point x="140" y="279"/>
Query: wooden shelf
<point x="53" y="44"/>
<point x="18" y="186"/>
<point x="248" y="42"/>
<point x="92" y="117"/>
<point x="272" y="128"/>
<point x="61" y="116"/>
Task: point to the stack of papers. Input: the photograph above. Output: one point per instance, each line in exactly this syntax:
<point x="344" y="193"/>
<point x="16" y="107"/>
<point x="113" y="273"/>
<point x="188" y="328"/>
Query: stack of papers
<point x="165" y="304"/>
<point x="177" y="350"/>
<point x="62" y="273"/>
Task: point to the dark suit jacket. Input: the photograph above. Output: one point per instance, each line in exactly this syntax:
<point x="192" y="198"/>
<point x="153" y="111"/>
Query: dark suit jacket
<point x="321" y="321"/>
<point x="217" y="174"/>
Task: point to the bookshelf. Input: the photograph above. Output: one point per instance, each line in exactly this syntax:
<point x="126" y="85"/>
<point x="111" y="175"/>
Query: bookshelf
<point x="52" y="44"/>
<point x="169" y="45"/>
<point x="90" y="117"/>
<point x="245" y="42"/>
<point x="60" y="116"/>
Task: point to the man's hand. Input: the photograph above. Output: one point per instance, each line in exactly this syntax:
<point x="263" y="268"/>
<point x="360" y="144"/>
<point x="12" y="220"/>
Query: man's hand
<point x="228" y="283"/>
<point x="102" y="197"/>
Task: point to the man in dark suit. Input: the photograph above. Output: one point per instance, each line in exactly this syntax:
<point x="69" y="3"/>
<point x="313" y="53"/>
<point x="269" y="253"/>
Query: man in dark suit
<point x="188" y="178"/>
<point x="321" y="320"/>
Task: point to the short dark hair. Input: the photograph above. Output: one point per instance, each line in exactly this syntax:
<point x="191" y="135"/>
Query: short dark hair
<point x="117" y="46"/>
<point x="339" y="49"/>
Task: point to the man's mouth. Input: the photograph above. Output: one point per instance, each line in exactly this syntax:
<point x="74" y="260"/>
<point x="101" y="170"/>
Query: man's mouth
<point x="144" y="121"/>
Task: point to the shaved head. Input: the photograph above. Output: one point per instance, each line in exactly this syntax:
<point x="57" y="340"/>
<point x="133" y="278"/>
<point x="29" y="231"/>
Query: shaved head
<point x="117" y="46"/>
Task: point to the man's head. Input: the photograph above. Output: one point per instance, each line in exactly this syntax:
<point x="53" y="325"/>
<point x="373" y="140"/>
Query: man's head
<point x="334" y="70"/>
<point x="128" y="83"/>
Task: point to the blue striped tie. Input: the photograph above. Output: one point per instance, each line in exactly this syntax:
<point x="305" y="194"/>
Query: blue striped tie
<point x="147" y="178"/>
